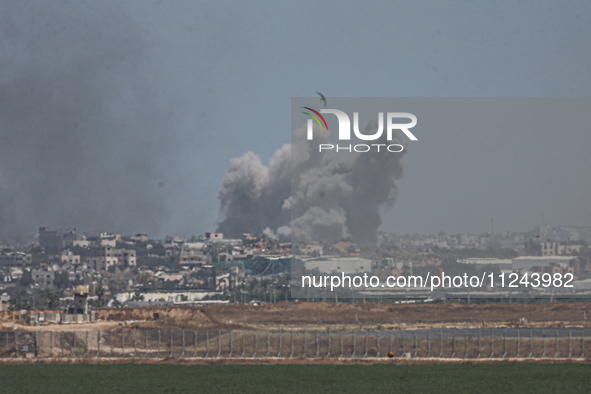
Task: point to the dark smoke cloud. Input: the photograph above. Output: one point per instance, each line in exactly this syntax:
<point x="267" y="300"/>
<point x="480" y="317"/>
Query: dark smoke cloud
<point x="80" y="136"/>
<point x="329" y="196"/>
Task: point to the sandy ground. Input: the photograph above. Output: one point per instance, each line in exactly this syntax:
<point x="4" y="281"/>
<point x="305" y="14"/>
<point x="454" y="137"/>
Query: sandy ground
<point x="337" y="316"/>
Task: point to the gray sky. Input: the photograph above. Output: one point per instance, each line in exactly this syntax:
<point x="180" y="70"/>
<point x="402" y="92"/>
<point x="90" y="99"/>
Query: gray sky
<point x="209" y="81"/>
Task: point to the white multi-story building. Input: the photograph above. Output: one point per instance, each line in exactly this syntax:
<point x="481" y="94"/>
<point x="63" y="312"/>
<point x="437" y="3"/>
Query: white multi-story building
<point x="104" y="257"/>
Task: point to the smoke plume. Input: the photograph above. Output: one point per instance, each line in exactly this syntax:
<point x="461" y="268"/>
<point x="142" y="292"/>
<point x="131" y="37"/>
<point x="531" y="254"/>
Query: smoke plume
<point x="80" y="137"/>
<point x="327" y="196"/>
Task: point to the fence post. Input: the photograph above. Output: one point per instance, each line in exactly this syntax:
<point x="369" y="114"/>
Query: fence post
<point x="86" y="351"/>
<point x="147" y="335"/>
<point x="122" y="343"/>
<point x="134" y="343"/>
<point x="479" y="343"/>
<point x="466" y="343"/>
<point x="492" y="342"/>
<point x="111" y="343"/>
<point x="231" y="343"/>
<point x="74" y="346"/>
<point x="429" y="343"/>
<point x="544" y="343"/>
<point x="171" y="343"/>
<point x="256" y="343"/>
<point x="354" y="346"/>
<point x="342" y="350"/>
<point x="440" y="342"/>
<point x="557" y="348"/>
<point x="583" y="343"/>
<point x="219" y="343"/>
<point x="392" y="341"/>
<point x="416" y="345"/>
<point x="159" y="334"/>
<point x="243" y="343"/>
<point x="98" y="344"/>
<point x="292" y="344"/>
<point x="531" y="343"/>
<point x="268" y="344"/>
<point x="518" y="342"/>
<point x="50" y="343"/>
<point x="454" y="344"/>
<point x="16" y="343"/>
<point x="317" y="346"/>
<point x="207" y="343"/>
<point x="403" y="343"/>
<point x="305" y="344"/>
<point x="63" y="333"/>
<point x="378" y="354"/>
<point x="35" y="345"/>
<point x="366" y="343"/>
<point x="570" y="349"/>
<point x="328" y="353"/>
<point x="183" y="351"/>
<point x="195" y="337"/>
<point x="505" y="343"/>
<point x="280" y="343"/>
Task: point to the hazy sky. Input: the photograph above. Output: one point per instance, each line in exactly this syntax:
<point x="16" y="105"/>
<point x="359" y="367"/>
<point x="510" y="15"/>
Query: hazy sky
<point x="188" y="85"/>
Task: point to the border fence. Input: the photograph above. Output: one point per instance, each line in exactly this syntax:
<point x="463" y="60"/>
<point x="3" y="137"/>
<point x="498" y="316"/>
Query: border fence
<point x="446" y="343"/>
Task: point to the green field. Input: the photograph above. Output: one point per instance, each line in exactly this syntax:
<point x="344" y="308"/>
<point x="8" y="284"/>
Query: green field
<point x="342" y="379"/>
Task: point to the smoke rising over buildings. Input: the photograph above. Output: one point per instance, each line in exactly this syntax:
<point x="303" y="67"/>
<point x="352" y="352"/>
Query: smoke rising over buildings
<point x="327" y="195"/>
<point x="81" y="141"/>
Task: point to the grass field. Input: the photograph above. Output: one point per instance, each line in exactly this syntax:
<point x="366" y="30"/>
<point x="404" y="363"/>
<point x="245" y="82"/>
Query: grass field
<point x="342" y="379"/>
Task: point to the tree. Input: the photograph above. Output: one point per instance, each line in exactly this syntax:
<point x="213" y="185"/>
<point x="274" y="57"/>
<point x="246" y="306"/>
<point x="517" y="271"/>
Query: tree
<point x="61" y="280"/>
<point x="137" y="297"/>
<point x="100" y="293"/>
<point x="16" y="304"/>
<point x="52" y="300"/>
<point x="27" y="278"/>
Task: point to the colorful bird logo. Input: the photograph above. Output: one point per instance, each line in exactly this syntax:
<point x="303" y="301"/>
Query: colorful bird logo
<point x="316" y="118"/>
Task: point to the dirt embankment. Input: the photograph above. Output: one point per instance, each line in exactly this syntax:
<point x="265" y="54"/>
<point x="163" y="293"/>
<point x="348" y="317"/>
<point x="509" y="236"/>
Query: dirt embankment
<point x="292" y="361"/>
<point x="302" y="314"/>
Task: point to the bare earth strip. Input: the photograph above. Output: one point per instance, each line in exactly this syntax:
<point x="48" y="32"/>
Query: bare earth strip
<point x="336" y="316"/>
<point x="286" y="361"/>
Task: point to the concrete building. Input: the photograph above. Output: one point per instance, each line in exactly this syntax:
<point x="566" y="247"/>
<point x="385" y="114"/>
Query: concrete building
<point x="537" y="247"/>
<point x="140" y="237"/>
<point x="15" y="259"/>
<point x="129" y="257"/>
<point x="43" y="279"/>
<point x="312" y="248"/>
<point x="77" y="311"/>
<point x="55" y="240"/>
<point x="192" y="254"/>
<point x="481" y="263"/>
<point x="348" y="265"/>
<point x="80" y="303"/>
<point x="527" y="263"/>
<point x="66" y="257"/>
<point x="103" y="257"/>
<point x="214" y="236"/>
<point x="4" y="302"/>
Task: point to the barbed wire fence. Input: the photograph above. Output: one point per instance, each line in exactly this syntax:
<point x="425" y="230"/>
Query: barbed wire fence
<point x="444" y="343"/>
